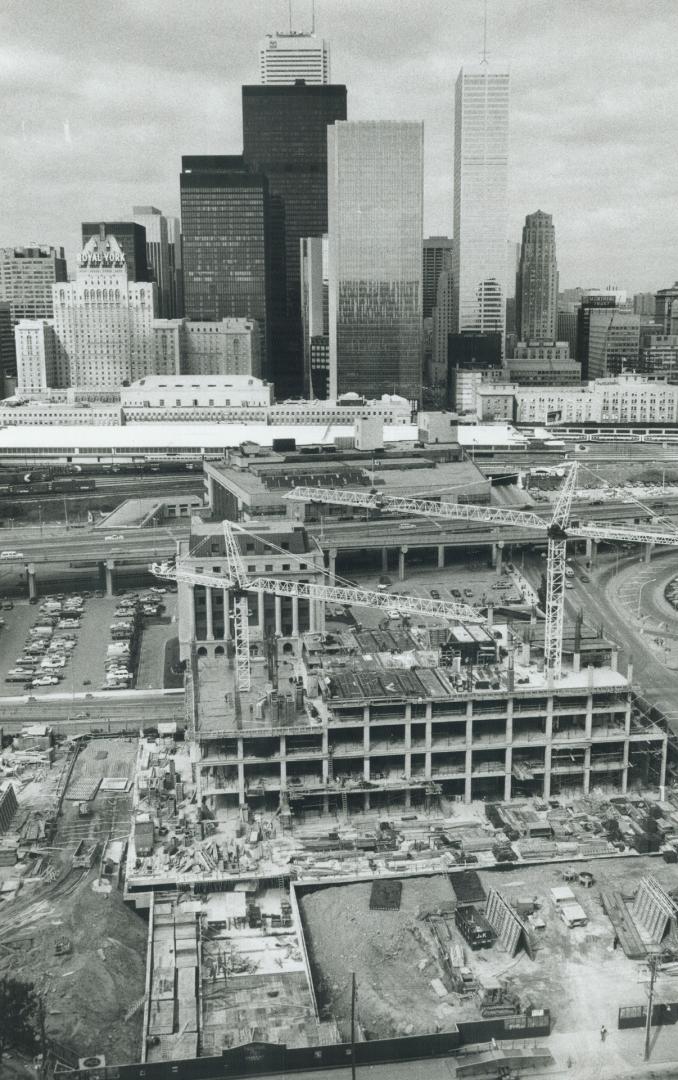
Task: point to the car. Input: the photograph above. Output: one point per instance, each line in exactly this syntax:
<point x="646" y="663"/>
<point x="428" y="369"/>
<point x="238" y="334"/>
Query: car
<point x="435" y="595"/>
<point x="456" y="593"/>
<point x="8" y="605"/>
<point x="403" y="528"/>
<point x="45" y="680"/>
<point x="113" y="537"/>
<point x="9" y="554"/>
<point x="468" y="592"/>
<point x="569" y="572"/>
<point x="569" y="585"/>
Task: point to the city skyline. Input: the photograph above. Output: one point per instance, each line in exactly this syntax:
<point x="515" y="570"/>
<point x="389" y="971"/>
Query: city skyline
<point x="585" y="119"/>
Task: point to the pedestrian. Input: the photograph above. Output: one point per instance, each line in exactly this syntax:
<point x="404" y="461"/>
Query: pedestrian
<point x="603" y="1033"/>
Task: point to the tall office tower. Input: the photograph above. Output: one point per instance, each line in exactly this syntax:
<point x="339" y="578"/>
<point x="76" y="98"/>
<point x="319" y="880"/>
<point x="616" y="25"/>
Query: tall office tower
<point x="481" y="138"/>
<point x="315" y="316"/>
<point x="443" y="325"/>
<point x="666" y="310"/>
<point x="285" y="139"/>
<point x="537" y="281"/>
<point x="7" y="353"/>
<point x="158" y="256"/>
<point x="130" y="237"/>
<point x="375" y="210"/>
<point x="225" y="222"/>
<point x="644" y="303"/>
<point x="566" y="329"/>
<point x="36" y="355"/>
<point x="286" y="58"/>
<point x="438" y="255"/>
<point x="103" y="321"/>
<point x="590" y="301"/>
<point x="26" y="278"/>
<point x="176" y="271"/>
<point x="613" y="347"/>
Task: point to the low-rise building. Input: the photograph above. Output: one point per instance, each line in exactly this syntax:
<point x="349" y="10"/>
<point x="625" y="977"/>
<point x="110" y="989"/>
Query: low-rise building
<point x="625" y="399"/>
<point x="229" y="347"/>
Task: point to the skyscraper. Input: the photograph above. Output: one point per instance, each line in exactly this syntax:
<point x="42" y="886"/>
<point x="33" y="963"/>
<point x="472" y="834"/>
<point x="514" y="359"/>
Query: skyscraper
<point x="7" y="354"/>
<point x="315" y="316"/>
<point x="537" y="280"/>
<point x="158" y="256"/>
<point x="437" y="256"/>
<point x="176" y="266"/>
<point x="481" y="135"/>
<point x="130" y="237"/>
<point x="225" y="241"/>
<point x="613" y="346"/>
<point x="592" y="299"/>
<point x="375" y="208"/>
<point x="285" y="139"/>
<point x="26" y="278"/>
<point x="666" y="310"/>
<point x="286" y="58"/>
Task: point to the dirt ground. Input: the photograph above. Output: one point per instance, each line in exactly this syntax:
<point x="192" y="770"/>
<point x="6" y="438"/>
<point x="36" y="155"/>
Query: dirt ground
<point x="576" y="974"/>
<point x="89" y="990"/>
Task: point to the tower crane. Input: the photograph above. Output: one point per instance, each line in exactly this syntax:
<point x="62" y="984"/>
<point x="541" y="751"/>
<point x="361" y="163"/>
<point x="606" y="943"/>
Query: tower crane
<point x="558" y="531"/>
<point x="237" y="579"/>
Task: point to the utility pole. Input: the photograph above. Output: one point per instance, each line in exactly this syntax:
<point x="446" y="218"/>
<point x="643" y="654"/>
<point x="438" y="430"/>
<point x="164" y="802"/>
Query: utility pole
<point x="353" y="1025"/>
<point x="654" y="964"/>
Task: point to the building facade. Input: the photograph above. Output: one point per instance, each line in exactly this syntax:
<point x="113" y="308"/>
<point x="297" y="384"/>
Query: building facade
<point x="443" y="325"/>
<point x="666" y="309"/>
<point x="285" y="139"/>
<point x="626" y="399"/>
<point x="176" y="266"/>
<point x="284" y="59"/>
<point x="537" y="280"/>
<point x="7" y="351"/>
<point x="660" y="356"/>
<point x="225" y="242"/>
<point x="103" y="322"/>
<point x="26" y="278"/>
<point x="590" y="301"/>
<point x="437" y="255"/>
<point x="481" y="134"/>
<point x="375" y="197"/>
<point x="131" y="238"/>
<point x="36" y="350"/>
<point x="227" y="347"/>
<point x="315" y="316"/>
<point x="614" y="342"/>
<point x="154" y="224"/>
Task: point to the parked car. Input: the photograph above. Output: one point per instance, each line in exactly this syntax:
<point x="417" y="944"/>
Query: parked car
<point x="435" y="595"/>
<point x="45" y="680"/>
<point x="10" y="554"/>
<point x="113" y="537"/>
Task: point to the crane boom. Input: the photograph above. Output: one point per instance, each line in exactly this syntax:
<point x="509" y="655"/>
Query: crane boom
<point x="494" y="515"/>
<point x="638" y="534"/>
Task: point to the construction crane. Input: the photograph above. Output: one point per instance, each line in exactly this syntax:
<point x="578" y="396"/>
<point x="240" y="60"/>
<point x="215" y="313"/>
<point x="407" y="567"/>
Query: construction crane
<point x="558" y="531"/>
<point x="237" y="580"/>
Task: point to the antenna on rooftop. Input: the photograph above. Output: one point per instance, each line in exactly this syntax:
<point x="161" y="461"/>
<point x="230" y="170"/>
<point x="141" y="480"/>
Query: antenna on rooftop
<point x="484" y="60"/>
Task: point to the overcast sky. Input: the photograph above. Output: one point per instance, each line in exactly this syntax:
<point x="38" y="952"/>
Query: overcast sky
<point x="101" y="99"/>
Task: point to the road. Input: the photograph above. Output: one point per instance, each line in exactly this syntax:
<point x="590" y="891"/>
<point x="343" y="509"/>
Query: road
<point x="69" y="545"/>
<point x="124" y="710"/>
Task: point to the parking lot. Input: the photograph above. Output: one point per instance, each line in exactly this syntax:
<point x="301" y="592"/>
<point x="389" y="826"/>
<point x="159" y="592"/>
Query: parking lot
<point x="84" y="670"/>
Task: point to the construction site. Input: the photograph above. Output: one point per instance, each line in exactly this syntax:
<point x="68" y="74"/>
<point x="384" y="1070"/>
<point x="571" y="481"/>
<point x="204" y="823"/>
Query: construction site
<point x="394" y="825"/>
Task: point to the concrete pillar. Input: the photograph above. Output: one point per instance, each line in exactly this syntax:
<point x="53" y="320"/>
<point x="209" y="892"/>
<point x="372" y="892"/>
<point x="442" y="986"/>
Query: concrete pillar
<point x="209" y="616"/>
<point x="588" y="730"/>
<point x="499" y="560"/>
<point x="591" y="551"/>
<point x="508" y="765"/>
<point x="441" y="556"/>
<point x="547" y="772"/>
<point x="333" y="565"/>
<point x="326" y="756"/>
<point x="587" y="770"/>
<point x="278" y="615"/>
<point x="321" y="616"/>
<point x="625" y="770"/>
<point x="241" y="784"/>
<point x="427" y="743"/>
<point x="32" y="582"/>
<point x="311" y="616"/>
<point x="647" y="551"/>
<point x="190" y="592"/>
<point x="614" y="659"/>
<point x="401" y="562"/>
<point x="468" y="780"/>
<point x="366" y="800"/>
<point x="295" y="616"/>
<point x="408" y="798"/>
<point x="384" y="560"/>
<point x="260" y="613"/>
<point x="227" y="612"/>
<point x="283" y="762"/>
<point x="662" y="772"/>
<point x="109" y="567"/>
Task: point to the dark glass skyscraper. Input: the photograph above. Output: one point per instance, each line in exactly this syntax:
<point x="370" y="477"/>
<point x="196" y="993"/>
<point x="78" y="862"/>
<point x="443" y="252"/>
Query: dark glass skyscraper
<point x="537" y="280"/>
<point x="131" y="238"/>
<point x="285" y="138"/>
<point x="225" y="241"/>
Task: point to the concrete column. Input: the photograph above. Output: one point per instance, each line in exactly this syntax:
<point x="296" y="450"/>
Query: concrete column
<point x="384" y="560"/>
<point x="190" y="590"/>
<point x="295" y="616"/>
<point x="278" y="615"/>
<point x="499" y="559"/>
<point x="321" y="616"/>
<point x="468" y="780"/>
<point x="508" y="765"/>
<point x="109" y="567"/>
<point x="209" y="632"/>
<point x="625" y="772"/>
<point x="227" y="612"/>
<point x="311" y="616"/>
<point x="647" y="551"/>
<point x="662" y="773"/>
<point x="427" y="742"/>
<point x="591" y="550"/>
<point x="32" y="583"/>
<point x="401" y="562"/>
<point x="260" y="614"/>
<point x="547" y="772"/>
<point x="587" y="770"/>
<point x="588" y="730"/>
<point x="333" y="565"/>
<point x="441" y="556"/>
<point x="283" y="762"/>
<point x="326" y="756"/>
<point x="241" y="784"/>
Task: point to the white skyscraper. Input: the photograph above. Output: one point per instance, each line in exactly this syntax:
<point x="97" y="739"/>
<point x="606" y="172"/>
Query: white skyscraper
<point x="481" y="143"/>
<point x="285" y="58"/>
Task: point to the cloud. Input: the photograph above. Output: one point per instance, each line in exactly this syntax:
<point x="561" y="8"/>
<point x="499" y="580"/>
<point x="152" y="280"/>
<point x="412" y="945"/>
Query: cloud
<point x="100" y="102"/>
